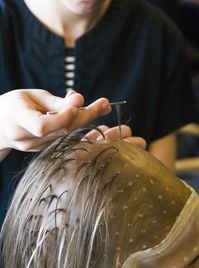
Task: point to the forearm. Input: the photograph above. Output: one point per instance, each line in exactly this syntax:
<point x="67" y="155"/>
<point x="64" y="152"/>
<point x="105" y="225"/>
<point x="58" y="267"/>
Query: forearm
<point x="164" y="149"/>
<point x="4" y="147"/>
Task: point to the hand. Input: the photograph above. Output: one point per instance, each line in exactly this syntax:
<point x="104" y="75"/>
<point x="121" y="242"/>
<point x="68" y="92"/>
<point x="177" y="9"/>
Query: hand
<point x="25" y="125"/>
<point x="113" y="134"/>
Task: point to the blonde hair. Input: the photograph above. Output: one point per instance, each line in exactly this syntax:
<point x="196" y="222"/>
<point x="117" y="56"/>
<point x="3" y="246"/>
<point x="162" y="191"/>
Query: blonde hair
<point x="33" y="230"/>
<point x="68" y="210"/>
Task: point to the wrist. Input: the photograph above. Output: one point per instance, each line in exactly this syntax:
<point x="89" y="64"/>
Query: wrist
<point x="4" y="149"/>
<point x="4" y="153"/>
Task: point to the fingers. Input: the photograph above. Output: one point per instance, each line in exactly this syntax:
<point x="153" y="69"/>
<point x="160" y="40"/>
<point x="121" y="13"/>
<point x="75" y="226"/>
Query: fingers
<point x="32" y="105"/>
<point x="71" y="99"/>
<point x="96" y="109"/>
<point x="54" y="103"/>
<point x="126" y="134"/>
<point x="137" y="141"/>
<point x="114" y="133"/>
<point x="94" y="134"/>
<point x="70" y="118"/>
<point x="27" y="109"/>
<point x="27" y="127"/>
<point x="39" y="124"/>
<point x="25" y="119"/>
<point x="37" y="144"/>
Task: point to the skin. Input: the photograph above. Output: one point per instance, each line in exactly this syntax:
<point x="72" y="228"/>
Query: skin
<point x="25" y="125"/>
<point x="30" y="129"/>
<point x="164" y="149"/>
<point x="68" y="18"/>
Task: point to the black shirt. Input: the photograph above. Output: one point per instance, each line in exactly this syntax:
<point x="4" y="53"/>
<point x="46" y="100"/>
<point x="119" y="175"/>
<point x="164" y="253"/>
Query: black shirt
<point x="134" y="53"/>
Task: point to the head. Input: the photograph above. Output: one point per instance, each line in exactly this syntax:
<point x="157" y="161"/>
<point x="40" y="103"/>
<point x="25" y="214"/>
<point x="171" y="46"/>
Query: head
<point x="90" y="204"/>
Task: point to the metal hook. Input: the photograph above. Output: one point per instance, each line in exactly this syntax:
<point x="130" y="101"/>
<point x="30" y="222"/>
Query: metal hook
<point x="118" y="108"/>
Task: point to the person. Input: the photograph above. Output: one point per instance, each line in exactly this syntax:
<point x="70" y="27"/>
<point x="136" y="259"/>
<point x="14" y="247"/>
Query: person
<point x="120" y="50"/>
<point x="100" y="203"/>
<point x="185" y="13"/>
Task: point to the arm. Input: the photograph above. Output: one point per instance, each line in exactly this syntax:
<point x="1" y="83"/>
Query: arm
<point x="164" y="149"/>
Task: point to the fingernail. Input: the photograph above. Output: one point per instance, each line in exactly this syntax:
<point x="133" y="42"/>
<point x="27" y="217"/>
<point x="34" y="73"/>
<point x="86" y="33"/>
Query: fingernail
<point x="100" y="138"/>
<point x="70" y="91"/>
<point x="106" y="107"/>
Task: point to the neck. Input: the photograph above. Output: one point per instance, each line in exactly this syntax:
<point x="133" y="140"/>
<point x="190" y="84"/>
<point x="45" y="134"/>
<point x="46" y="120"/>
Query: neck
<point x="63" y="21"/>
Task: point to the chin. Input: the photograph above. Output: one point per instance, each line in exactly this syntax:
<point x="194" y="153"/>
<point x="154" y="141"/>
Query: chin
<point x="83" y="7"/>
